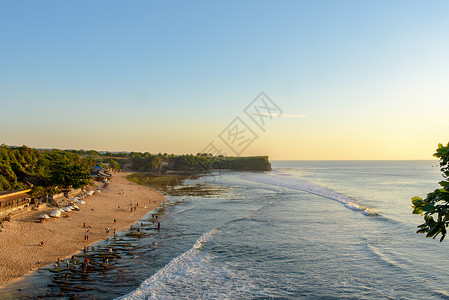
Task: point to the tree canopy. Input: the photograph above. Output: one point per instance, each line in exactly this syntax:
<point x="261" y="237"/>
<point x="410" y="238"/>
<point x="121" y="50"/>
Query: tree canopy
<point x="67" y="174"/>
<point x="435" y="207"/>
<point x="44" y="171"/>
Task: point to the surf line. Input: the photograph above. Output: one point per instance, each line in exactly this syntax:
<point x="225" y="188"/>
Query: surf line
<point x="311" y="188"/>
<point x="170" y="270"/>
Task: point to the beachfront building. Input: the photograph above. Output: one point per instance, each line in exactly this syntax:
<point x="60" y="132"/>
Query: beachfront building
<point x="99" y="174"/>
<point x="11" y="201"/>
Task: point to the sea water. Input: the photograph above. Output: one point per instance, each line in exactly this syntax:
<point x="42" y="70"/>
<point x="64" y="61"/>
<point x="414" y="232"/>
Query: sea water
<point x="307" y="229"/>
<point x="318" y="230"/>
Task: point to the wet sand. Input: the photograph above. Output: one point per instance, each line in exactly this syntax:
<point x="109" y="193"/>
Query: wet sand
<point x="20" y="250"/>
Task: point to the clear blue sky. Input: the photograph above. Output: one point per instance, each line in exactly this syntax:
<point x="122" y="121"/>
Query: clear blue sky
<point x="354" y="79"/>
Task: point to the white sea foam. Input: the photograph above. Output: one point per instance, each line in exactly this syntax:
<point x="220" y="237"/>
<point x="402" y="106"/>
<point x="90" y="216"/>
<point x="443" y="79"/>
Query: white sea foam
<point x="284" y="180"/>
<point x="176" y="268"/>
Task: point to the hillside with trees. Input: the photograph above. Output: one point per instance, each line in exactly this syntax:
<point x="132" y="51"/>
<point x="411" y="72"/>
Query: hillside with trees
<point x="42" y="170"/>
<point x="146" y="162"/>
<point x="51" y="171"/>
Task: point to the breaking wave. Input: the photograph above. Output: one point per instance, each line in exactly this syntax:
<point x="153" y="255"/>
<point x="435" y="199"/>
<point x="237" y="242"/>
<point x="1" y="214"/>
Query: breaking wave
<point x="284" y="180"/>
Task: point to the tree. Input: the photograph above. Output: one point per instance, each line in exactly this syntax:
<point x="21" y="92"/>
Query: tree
<point x="66" y="175"/>
<point x="113" y="164"/>
<point x="435" y="207"/>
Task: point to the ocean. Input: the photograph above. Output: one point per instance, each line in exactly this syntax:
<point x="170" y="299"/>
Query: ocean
<point x="306" y="229"/>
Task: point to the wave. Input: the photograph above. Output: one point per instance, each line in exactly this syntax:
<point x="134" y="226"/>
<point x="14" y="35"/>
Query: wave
<point x="285" y="180"/>
<point x="377" y="252"/>
<point x="175" y="268"/>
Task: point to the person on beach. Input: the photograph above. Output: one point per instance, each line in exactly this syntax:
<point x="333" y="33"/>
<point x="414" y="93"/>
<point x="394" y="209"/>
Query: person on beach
<point x="59" y="262"/>
<point x="158" y="226"/>
<point x="107" y="230"/>
<point x="41" y="243"/>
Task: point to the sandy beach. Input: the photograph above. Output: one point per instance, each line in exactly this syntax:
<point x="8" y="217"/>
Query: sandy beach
<point x="20" y="250"/>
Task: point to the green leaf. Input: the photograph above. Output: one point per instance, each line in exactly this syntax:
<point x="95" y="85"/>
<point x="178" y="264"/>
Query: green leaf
<point x="423" y="230"/>
<point x="417" y="211"/>
<point x="418" y="201"/>
<point x="429" y="207"/>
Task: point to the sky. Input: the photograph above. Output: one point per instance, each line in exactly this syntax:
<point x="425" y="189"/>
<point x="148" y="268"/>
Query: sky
<point x="305" y="80"/>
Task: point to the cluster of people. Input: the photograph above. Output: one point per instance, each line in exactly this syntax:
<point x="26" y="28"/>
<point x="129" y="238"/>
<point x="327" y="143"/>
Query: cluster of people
<point x="133" y="208"/>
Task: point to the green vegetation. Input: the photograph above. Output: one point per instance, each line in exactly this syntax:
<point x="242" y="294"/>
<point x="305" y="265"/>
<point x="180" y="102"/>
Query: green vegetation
<point x="44" y="171"/>
<point x="174" y="184"/>
<point x="161" y="182"/>
<point x="146" y="162"/>
<point x="68" y="174"/>
<point x="435" y="207"/>
<point x="254" y="163"/>
<point x="47" y="172"/>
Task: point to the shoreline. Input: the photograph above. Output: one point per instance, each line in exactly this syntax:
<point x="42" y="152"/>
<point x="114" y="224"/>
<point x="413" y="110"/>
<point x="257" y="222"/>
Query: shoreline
<point x="64" y="237"/>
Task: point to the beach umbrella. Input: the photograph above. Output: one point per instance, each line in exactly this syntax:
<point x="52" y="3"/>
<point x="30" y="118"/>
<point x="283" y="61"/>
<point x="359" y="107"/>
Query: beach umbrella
<point x="44" y="216"/>
<point x="67" y="209"/>
<point x="98" y="191"/>
<point x="74" y="207"/>
<point x="80" y="202"/>
<point x="74" y="199"/>
<point x="56" y="214"/>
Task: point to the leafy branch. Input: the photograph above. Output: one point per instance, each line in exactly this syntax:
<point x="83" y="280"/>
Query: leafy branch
<point x="435" y="207"/>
